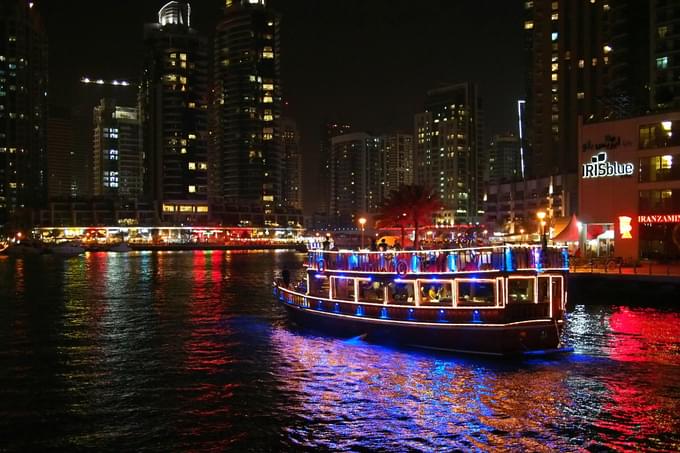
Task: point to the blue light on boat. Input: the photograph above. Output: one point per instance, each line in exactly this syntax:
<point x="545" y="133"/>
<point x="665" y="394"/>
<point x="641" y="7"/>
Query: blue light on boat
<point x="415" y="263"/>
<point x="360" y="310"/>
<point x="319" y="305"/>
<point x="410" y="314"/>
<point x="451" y="262"/>
<point x="336" y="308"/>
<point x="475" y="316"/>
<point x="508" y="259"/>
<point x="383" y="313"/>
<point x="442" y="315"/>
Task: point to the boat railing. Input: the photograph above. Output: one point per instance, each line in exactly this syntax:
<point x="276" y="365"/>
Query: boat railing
<point x="506" y="258"/>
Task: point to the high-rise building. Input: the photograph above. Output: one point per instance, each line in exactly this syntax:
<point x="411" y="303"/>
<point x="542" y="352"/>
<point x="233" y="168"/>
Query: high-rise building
<point x="292" y="155"/>
<point x="504" y="159"/>
<point x="665" y="62"/>
<point x="396" y="162"/>
<point x="246" y="156"/>
<point x="589" y="59"/>
<point x="328" y="131"/>
<point x="117" y="151"/>
<point x="448" y="153"/>
<point x="355" y="177"/>
<point x="23" y="110"/>
<point x="61" y="161"/>
<point x="173" y="106"/>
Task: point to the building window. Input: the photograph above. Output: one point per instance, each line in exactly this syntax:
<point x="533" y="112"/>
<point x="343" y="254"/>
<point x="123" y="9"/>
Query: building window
<point x="192" y="165"/>
<point x="581" y="63"/>
<point x="192" y="189"/>
<point x="662" y="63"/>
<point x="528" y="25"/>
<point x="553" y="36"/>
<point x="662" y="31"/>
<point x="267" y="52"/>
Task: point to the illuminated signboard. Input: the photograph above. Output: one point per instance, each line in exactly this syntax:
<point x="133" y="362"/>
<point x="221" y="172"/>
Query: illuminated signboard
<point x="599" y="167"/>
<point x="660" y="218"/>
<point x="625" y="227"/>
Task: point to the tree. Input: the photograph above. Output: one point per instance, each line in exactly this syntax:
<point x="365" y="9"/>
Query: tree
<point x="409" y="206"/>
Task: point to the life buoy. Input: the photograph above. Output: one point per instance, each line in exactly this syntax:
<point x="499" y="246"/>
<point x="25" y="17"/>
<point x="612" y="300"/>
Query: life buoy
<point x="321" y="265"/>
<point x="402" y="268"/>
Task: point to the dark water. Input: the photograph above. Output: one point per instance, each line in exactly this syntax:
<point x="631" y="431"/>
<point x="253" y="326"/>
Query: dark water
<point x="188" y="351"/>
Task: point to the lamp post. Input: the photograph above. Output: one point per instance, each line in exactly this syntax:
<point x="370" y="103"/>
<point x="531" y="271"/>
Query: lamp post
<point x="541" y="219"/>
<point x="362" y="222"/>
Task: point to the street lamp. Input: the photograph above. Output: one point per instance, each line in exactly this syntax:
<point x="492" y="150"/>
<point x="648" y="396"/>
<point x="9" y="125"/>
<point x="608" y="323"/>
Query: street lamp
<point x="362" y="222"/>
<point x="541" y="218"/>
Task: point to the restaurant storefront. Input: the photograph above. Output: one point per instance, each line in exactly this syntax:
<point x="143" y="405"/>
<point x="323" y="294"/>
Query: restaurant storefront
<point x="629" y="187"/>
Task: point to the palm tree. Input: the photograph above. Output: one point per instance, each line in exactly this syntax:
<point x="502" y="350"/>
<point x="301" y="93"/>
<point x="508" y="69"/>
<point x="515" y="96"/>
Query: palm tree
<point x="410" y="205"/>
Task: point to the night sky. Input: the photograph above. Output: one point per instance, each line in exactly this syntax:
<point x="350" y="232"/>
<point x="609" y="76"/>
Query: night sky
<point x="368" y="62"/>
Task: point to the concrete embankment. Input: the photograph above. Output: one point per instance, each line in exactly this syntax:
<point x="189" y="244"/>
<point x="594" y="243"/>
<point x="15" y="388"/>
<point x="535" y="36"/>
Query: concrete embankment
<point x="624" y="289"/>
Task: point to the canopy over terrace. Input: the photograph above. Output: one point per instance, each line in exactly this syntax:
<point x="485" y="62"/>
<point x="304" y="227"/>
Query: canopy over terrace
<point x="570" y="233"/>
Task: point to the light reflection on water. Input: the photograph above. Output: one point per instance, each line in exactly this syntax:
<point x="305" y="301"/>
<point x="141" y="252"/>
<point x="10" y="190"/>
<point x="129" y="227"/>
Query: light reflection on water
<point x="184" y="351"/>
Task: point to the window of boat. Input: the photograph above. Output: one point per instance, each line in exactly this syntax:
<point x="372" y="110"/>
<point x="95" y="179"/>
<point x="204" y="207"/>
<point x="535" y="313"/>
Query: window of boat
<point x="476" y="293"/>
<point x="371" y="291"/>
<point x="318" y="285"/>
<point x="401" y="292"/>
<point x="557" y="290"/>
<point x="435" y="292"/>
<point x="521" y="289"/>
<point x="544" y="289"/>
<point x="343" y="288"/>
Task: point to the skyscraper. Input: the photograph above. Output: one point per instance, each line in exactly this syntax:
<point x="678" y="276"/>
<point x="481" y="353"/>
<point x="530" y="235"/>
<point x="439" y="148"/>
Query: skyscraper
<point x="292" y="155"/>
<point x="173" y="106"/>
<point x="355" y="177"/>
<point x="396" y="162"/>
<point x="246" y="155"/>
<point x="504" y="159"/>
<point x="117" y="151"/>
<point x="23" y="109"/>
<point x="328" y="131"/>
<point x="448" y="154"/>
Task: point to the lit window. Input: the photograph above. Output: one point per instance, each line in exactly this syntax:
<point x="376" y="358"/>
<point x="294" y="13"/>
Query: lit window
<point x="192" y="136"/>
<point x="662" y="31"/>
<point x="183" y="151"/>
<point x="192" y="189"/>
<point x="581" y="63"/>
<point x="553" y="36"/>
<point x="666" y="162"/>
<point x="594" y="61"/>
<point x="662" y="63"/>
<point x="555" y="16"/>
<point x="183" y="57"/>
<point x="267" y="52"/>
<point x="553" y="76"/>
<point x="202" y="166"/>
<point x="580" y="95"/>
<point x="528" y="25"/>
<point x="554" y="67"/>
<point x="192" y="165"/>
<point x="607" y="48"/>
<point x="202" y="209"/>
<point x="168" y="208"/>
<point x="267" y="100"/>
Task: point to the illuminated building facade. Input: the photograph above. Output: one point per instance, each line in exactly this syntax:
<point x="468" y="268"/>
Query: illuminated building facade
<point x="504" y="159"/>
<point x="117" y="151"/>
<point x="355" y="177"/>
<point x="173" y="107"/>
<point x="23" y="110"/>
<point x="328" y="131"/>
<point x="247" y="151"/>
<point x="292" y="155"/>
<point x="396" y="162"/>
<point x="61" y="160"/>
<point x="449" y="155"/>
<point x="629" y="187"/>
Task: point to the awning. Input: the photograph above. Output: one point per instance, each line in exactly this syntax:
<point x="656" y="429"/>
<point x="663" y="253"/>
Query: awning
<point x="570" y="232"/>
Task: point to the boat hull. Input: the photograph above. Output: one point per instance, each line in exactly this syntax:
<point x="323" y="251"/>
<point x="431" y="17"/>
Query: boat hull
<point x="497" y="339"/>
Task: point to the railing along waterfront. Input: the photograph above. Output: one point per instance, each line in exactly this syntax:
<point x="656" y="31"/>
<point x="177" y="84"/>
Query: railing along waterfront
<point x="505" y="258"/>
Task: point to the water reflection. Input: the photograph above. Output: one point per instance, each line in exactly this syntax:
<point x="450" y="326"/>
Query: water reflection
<point x="188" y="351"/>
